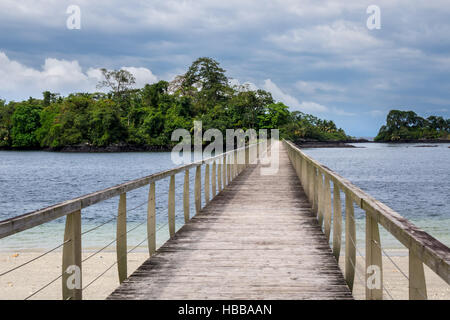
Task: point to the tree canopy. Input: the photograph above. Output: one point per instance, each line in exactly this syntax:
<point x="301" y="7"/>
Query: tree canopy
<point x="148" y="116"/>
<point x="407" y="125"/>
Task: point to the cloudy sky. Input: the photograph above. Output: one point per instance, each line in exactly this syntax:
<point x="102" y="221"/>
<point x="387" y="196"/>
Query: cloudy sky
<point x="315" y="56"/>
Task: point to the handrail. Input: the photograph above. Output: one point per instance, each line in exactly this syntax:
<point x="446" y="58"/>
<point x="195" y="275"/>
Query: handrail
<point x="225" y="167"/>
<point x="32" y="219"/>
<point x="423" y="248"/>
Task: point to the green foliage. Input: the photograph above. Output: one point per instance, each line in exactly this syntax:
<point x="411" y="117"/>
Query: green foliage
<point x="407" y="125"/>
<point x="148" y="116"/>
<point x="25" y="122"/>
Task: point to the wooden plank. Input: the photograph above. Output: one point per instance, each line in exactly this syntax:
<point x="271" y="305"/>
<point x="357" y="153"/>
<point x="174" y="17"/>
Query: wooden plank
<point x="198" y="189"/>
<point x="267" y="248"/>
<point x="350" y="241"/>
<point x="71" y="264"/>
<point x="417" y="283"/>
<point x="207" y="187"/>
<point x="337" y="222"/>
<point x="374" y="267"/>
<point x="121" y="236"/>
<point x="186" y="207"/>
<point x="171" y="206"/>
<point x="151" y="220"/>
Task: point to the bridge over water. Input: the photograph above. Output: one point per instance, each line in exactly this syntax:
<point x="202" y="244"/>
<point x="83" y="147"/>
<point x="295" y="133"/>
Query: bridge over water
<point x="259" y="236"/>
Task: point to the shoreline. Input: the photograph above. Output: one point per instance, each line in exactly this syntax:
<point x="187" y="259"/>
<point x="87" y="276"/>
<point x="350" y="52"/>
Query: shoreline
<point x="123" y="148"/>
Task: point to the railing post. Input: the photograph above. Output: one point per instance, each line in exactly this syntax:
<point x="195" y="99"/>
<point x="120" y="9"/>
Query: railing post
<point x="247" y="155"/>
<point x="224" y="169"/>
<point x="151" y="220"/>
<point x="71" y="261"/>
<point x="206" y="183"/>
<point x="213" y="180"/>
<point x="171" y="206"/>
<point x="350" y="242"/>
<point x="235" y="164"/>
<point x="318" y="195"/>
<point x="219" y="175"/>
<point x="121" y="242"/>
<point x="229" y="169"/>
<point x="337" y="221"/>
<point x="186" y="196"/>
<point x="304" y="176"/>
<point x="327" y="207"/>
<point x="374" y="263"/>
<point x="417" y="283"/>
<point x="312" y="182"/>
<point x="198" y="189"/>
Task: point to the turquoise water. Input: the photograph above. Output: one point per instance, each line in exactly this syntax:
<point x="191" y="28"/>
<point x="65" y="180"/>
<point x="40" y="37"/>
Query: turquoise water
<point x="413" y="181"/>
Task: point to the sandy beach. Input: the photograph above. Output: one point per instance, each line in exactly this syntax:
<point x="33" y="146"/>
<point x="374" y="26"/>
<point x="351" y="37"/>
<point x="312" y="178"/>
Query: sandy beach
<point x="20" y="283"/>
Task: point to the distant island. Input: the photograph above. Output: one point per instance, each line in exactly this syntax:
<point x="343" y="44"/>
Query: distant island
<point x="127" y="119"/>
<point x="407" y="126"/>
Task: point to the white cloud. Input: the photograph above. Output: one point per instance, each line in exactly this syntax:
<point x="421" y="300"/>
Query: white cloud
<point x="279" y="95"/>
<point x="304" y="106"/>
<point x="339" y="37"/>
<point x="314" y="87"/>
<point x="18" y="81"/>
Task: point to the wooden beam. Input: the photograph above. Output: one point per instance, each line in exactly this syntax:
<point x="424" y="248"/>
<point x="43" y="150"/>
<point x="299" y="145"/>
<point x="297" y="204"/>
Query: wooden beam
<point x="151" y="220"/>
<point x="171" y="207"/>
<point x="71" y="262"/>
<point x="186" y="206"/>
<point x="121" y="238"/>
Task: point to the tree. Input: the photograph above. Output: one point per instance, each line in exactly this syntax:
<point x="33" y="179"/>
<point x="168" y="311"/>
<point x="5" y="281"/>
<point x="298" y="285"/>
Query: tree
<point x="119" y="81"/>
<point x="25" y="122"/>
<point x="205" y="81"/>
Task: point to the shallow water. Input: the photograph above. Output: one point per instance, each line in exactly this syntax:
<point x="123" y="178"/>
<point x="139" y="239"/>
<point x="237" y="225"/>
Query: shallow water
<point x="413" y="181"/>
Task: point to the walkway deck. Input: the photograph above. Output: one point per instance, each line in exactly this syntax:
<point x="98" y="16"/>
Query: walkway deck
<point x="257" y="239"/>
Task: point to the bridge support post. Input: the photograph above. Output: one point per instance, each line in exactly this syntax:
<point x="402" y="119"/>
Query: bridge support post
<point x="374" y="267"/>
<point x="350" y="241"/>
<point x="171" y="206"/>
<point x="186" y="196"/>
<point x="417" y="284"/>
<point x="121" y="242"/>
<point x="198" y="189"/>
<point x="229" y="169"/>
<point x="151" y="220"/>
<point x="206" y="183"/>
<point x="71" y="261"/>
<point x="337" y="221"/>
<point x="327" y="207"/>
<point x="224" y="173"/>
<point x="219" y="176"/>
<point x="213" y="180"/>
<point x="318" y="195"/>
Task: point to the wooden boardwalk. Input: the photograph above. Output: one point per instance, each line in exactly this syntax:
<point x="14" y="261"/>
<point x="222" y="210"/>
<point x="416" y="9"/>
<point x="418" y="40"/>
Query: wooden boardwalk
<point x="257" y="239"/>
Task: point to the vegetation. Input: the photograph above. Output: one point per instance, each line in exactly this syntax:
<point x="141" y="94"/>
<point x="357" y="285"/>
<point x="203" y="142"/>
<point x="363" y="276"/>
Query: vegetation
<point x="407" y="126"/>
<point x="147" y="116"/>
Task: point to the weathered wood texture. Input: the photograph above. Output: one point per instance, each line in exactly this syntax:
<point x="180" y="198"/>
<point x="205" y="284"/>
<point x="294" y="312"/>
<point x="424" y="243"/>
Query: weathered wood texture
<point x="257" y="239"/>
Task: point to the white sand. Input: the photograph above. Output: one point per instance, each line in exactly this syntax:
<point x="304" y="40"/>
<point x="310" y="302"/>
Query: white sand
<point x="26" y="280"/>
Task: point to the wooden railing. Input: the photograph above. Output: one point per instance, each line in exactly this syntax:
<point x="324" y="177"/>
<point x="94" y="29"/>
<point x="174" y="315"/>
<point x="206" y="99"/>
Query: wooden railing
<point x="423" y="248"/>
<point x="219" y="172"/>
